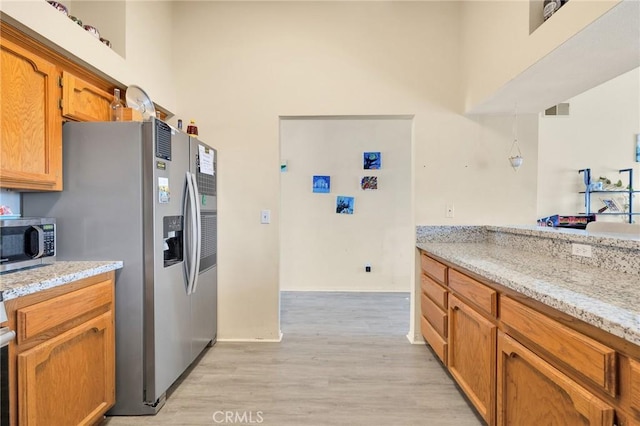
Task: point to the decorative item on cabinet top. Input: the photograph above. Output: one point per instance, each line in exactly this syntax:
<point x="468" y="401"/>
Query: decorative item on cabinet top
<point x="138" y="100"/>
<point x="60" y="7"/>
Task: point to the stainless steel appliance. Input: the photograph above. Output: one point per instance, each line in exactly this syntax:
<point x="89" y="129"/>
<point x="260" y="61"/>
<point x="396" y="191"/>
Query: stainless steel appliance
<point x="144" y="193"/>
<point x="27" y="242"/>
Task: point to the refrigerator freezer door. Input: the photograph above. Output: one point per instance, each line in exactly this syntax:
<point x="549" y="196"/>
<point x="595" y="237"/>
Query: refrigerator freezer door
<point x="205" y="300"/>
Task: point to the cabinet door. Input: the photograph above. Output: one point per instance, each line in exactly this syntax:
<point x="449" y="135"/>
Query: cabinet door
<point x="69" y="379"/>
<point x="532" y="392"/>
<point x="472" y="356"/>
<point x="634" y="379"/>
<point x="30" y="120"/>
<point x="82" y="101"/>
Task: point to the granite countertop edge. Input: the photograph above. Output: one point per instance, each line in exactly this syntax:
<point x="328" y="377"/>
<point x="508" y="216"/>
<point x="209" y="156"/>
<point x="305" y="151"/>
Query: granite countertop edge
<point x="617" y="320"/>
<point x="29" y="281"/>
<point x="609" y="239"/>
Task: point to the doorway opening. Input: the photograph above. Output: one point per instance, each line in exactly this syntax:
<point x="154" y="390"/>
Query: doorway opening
<point x="346" y="231"/>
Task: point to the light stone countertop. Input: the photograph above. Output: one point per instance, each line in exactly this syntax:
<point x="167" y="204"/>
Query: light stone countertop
<point x="609" y="300"/>
<point x="28" y="281"/>
<point x="610" y="239"/>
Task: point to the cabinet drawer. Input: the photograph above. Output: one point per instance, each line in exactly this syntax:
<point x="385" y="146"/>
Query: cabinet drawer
<point x="434" y="269"/>
<point x="436" y="316"/>
<point x="435" y="291"/>
<point x="592" y="359"/>
<point x="477" y="293"/>
<point x="40" y="317"/>
<point x="437" y="343"/>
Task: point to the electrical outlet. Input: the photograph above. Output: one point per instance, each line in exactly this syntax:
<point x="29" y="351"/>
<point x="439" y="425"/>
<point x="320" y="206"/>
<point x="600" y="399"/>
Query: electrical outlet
<point x="449" y="211"/>
<point x="583" y="250"/>
<point x="367" y="267"/>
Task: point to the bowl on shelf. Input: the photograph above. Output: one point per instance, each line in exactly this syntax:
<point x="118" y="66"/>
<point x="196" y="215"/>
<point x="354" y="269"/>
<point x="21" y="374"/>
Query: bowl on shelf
<point x="61" y="7"/>
<point x="76" y="20"/>
<point x="105" y="42"/>
<point x="92" y="30"/>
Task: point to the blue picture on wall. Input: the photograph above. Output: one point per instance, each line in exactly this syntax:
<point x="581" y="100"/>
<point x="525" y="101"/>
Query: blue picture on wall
<point x="322" y="184"/>
<point x="344" y="205"/>
<point x="372" y="160"/>
<point x="638" y="148"/>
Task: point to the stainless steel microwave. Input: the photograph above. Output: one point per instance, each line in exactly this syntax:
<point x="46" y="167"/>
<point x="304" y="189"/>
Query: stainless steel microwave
<point x="27" y="242"/>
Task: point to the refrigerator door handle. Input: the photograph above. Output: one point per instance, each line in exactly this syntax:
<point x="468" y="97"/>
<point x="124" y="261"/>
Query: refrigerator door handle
<point x="198" y="226"/>
<point x="190" y="216"/>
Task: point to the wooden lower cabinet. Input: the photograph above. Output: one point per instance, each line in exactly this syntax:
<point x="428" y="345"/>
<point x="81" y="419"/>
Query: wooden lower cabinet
<point x="472" y="356"/>
<point x="532" y="392"/>
<point x="634" y="379"/>
<point x="68" y="380"/>
<point x="62" y="367"/>
<point x="520" y="362"/>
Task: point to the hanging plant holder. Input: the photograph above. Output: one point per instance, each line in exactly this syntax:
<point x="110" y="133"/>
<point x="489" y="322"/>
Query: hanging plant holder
<point x="515" y="155"/>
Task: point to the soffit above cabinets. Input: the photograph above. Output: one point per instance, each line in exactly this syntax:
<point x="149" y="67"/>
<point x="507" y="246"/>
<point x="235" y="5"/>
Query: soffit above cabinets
<point x="607" y="48"/>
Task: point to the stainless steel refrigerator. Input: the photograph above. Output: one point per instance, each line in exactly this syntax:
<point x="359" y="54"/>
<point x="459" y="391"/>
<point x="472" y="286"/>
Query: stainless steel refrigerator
<point x="144" y="193"/>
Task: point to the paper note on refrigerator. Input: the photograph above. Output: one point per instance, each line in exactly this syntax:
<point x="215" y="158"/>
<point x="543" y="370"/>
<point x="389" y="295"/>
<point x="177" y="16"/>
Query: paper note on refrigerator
<point x="206" y="160"/>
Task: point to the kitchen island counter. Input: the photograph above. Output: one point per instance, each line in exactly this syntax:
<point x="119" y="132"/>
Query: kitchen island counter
<point x="29" y="281"/>
<point x="604" y="298"/>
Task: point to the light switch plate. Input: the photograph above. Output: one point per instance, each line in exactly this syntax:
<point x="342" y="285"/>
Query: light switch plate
<point x="265" y="216"/>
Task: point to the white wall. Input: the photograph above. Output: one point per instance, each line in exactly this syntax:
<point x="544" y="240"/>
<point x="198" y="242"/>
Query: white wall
<point x="498" y="46"/>
<point x="109" y="17"/>
<point x="321" y="250"/>
<point x="257" y="61"/>
<point x="600" y="134"/>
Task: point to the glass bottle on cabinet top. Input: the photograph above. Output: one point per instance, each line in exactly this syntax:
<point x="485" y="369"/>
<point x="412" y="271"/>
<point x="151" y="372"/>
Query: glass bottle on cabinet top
<point x="615" y="200"/>
<point x="116" y="106"/>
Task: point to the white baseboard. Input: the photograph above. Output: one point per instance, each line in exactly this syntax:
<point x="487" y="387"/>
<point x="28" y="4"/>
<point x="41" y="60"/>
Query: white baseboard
<point x="252" y="340"/>
<point x="415" y="339"/>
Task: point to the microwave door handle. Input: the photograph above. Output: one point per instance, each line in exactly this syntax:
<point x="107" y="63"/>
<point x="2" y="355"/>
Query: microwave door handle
<point x="191" y="249"/>
<point x="40" y="242"/>
<point x="198" y="232"/>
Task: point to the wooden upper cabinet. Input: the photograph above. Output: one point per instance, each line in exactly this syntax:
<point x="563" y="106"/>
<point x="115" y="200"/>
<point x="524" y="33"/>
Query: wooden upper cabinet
<point x="531" y="392"/>
<point x="30" y="120"/>
<point x="83" y="101"/>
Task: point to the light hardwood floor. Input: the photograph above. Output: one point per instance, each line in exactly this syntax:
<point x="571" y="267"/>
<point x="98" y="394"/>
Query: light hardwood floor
<point x="344" y="360"/>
